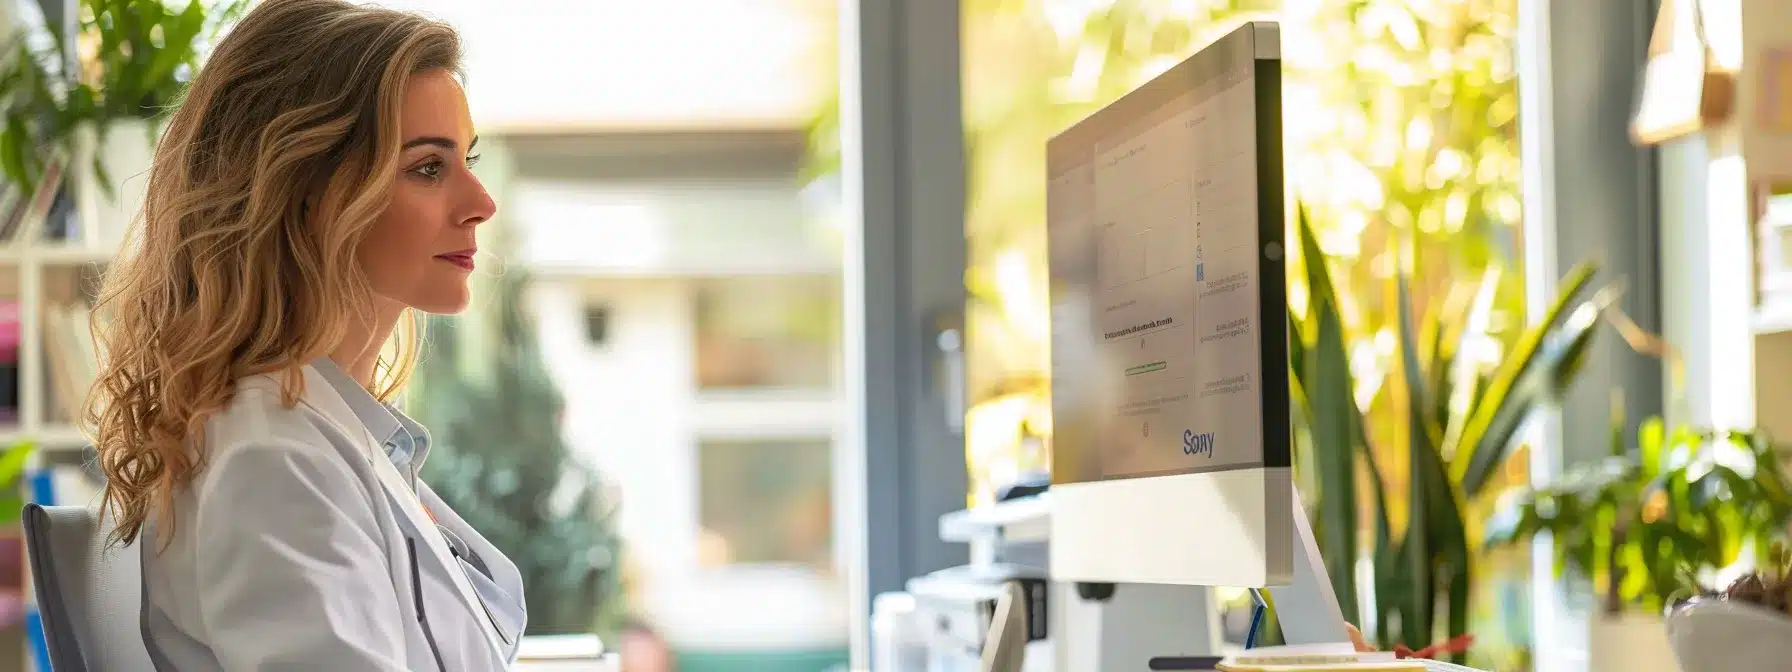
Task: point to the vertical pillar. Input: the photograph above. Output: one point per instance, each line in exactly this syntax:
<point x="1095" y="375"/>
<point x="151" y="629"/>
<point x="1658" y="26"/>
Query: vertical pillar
<point x="1590" y="193"/>
<point x="902" y="461"/>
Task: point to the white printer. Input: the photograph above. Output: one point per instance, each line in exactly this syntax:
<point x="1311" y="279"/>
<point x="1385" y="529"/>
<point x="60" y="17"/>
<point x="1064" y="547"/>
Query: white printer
<point x="940" y="622"/>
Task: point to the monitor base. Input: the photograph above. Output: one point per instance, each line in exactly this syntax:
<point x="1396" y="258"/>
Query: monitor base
<point x="1140" y="627"/>
<point x="1137" y="626"/>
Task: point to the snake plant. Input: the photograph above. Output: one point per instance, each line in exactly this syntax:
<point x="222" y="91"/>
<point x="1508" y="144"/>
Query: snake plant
<point x="1459" y="425"/>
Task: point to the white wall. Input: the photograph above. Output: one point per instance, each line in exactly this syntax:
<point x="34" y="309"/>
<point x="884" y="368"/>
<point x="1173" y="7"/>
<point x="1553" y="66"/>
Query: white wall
<point x="690" y="227"/>
<point x="533" y="63"/>
<point x="628" y="405"/>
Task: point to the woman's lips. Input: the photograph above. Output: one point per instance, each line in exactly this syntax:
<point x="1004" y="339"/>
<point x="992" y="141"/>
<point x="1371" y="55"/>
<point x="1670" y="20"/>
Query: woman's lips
<point x="462" y="259"/>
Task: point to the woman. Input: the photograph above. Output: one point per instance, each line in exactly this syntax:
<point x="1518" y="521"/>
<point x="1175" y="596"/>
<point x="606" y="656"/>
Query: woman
<point x="311" y="194"/>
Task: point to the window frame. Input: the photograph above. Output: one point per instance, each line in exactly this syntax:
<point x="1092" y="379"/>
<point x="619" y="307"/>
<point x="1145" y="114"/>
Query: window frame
<point x="901" y="460"/>
<point x="1589" y="193"/>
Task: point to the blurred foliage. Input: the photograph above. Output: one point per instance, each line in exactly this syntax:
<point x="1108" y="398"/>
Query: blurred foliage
<point x="1400" y="123"/>
<point x="15" y="461"/>
<point x="1460" y="424"/>
<point x="1031" y="69"/>
<point x="497" y="457"/>
<point x="131" y="59"/>
<point x="1652" y="524"/>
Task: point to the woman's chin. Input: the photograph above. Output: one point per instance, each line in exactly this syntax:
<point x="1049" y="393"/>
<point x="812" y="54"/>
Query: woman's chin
<point x="448" y="303"/>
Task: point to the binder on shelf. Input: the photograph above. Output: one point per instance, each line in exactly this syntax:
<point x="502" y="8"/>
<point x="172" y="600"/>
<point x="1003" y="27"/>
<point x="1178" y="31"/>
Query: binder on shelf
<point x="28" y="218"/>
<point x="71" y="358"/>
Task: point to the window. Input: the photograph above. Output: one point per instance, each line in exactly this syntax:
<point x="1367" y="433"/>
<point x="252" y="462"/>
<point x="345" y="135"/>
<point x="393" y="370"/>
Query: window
<point x="1401" y="134"/>
<point x="767" y="332"/>
<point x="597" y="323"/>
<point x="765" y="502"/>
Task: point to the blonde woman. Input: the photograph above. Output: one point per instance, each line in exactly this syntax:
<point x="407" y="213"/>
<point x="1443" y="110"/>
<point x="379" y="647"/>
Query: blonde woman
<point x="310" y="194"/>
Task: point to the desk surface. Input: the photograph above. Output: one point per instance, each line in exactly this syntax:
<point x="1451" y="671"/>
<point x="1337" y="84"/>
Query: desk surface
<point x="608" y="663"/>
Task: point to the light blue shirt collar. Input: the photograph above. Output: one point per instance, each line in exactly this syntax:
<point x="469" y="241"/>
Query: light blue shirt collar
<point x="406" y="441"/>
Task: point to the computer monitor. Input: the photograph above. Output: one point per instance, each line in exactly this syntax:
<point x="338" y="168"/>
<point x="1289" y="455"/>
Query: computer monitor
<point x="1170" y="407"/>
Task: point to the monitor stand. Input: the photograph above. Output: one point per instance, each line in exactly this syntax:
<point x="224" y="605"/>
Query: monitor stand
<point x="1163" y="627"/>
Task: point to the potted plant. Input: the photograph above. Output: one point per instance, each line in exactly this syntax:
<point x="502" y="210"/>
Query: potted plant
<point x="1747" y="626"/>
<point x="131" y="61"/>
<point x="1643" y="525"/>
<point x="1462" y="422"/>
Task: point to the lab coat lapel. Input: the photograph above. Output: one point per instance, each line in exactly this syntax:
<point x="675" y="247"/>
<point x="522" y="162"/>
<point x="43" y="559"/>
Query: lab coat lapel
<point x="504" y="573"/>
<point x="322" y="396"/>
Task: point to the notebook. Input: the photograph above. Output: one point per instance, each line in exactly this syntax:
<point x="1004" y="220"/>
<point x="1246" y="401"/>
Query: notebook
<point x="1357" y="666"/>
<point x="1339" y="657"/>
<point x="1402" y="665"/>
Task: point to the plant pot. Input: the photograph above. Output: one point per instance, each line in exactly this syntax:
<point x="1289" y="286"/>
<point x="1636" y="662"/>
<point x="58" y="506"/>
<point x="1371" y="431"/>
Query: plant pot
<point x="1630" y="642"/>
<point x="107" y="209"/>
<point x="1713" y="635"/>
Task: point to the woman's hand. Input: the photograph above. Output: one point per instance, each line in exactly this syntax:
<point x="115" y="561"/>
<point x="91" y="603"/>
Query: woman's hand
<point x="1356" y="638"/>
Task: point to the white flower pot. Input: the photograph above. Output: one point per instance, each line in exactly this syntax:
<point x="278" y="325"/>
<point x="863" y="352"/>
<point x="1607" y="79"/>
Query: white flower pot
<point x="1629" y="642"/>
<point x="1712" y="635"/>
<point x="127" y="152"/>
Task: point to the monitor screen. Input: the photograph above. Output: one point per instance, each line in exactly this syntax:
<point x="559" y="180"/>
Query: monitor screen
<point x="1165" y="223"/>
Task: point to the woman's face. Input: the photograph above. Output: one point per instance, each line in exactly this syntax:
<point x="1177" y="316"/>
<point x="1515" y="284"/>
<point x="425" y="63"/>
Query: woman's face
<point x="419" y="253"/>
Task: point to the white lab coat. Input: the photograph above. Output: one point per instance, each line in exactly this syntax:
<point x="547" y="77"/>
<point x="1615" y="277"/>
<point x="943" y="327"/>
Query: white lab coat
<point x="288" y="554"/>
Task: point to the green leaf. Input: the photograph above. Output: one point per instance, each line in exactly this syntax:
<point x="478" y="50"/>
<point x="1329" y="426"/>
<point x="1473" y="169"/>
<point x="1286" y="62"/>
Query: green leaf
<point x="180" y="32"/>
<point x="1332" y="409"/>
<point x="1297" y="347"/>
<point x="1527" y="378"/>
<point x="12" y="508"/>
<point x="1458" y="580"/>
<point x="1651" y="444"/>
<point x="18" y="145"/>
<point x="15" y="459"/>
<point x="1390" y="590"/>
<point x="1440" y="378"/>
<point x="1436" y="544"/>
<point x="1468" y="393"/>
<point x="1420" y="421"/>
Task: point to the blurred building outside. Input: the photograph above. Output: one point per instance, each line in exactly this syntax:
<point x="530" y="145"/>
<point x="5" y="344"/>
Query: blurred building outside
<point x="686" y="290"/>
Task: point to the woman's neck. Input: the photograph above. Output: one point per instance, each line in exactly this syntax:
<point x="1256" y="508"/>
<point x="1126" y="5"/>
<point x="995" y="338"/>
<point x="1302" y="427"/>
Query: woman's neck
<point x="359" y="352"/>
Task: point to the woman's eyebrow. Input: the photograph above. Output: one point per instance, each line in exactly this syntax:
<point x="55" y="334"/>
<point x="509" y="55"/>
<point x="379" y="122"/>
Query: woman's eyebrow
<point x="439" y="141"/>
<point x="431" y="140"/>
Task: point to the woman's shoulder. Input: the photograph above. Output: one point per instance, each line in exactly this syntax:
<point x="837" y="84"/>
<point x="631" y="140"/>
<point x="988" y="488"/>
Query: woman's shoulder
<point x="257" y="419"/>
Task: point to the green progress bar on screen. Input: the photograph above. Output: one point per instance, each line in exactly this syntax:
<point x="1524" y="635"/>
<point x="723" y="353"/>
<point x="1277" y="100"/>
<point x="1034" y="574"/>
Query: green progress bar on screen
<point x="1146" y="368"/>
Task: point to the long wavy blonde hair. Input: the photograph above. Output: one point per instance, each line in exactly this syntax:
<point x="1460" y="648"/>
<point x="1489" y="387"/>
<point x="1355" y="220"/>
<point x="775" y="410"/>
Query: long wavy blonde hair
<point x="243" y="262"/>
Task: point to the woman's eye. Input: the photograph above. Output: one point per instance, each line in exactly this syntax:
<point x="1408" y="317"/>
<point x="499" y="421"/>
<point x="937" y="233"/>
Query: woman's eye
<point x="432" y="170"/>
<point x="472" y="160"/>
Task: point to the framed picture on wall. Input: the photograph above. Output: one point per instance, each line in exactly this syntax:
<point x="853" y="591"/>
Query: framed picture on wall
<point x="1683" y="89"/>
<point x="1772" y="210"/>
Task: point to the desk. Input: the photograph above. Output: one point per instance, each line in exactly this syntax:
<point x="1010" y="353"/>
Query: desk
<point x="608" y="663"/>
<point x="564" y="653"/>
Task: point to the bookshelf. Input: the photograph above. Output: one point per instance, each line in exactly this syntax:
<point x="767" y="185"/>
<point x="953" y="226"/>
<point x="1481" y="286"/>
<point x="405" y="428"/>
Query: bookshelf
<point x="46" y="292"/>
<point x="52" y="287"/>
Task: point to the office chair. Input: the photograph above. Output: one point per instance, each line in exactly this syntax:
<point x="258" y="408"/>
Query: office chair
<point x="1005" y="644"/>
<point x="90" y="596"/>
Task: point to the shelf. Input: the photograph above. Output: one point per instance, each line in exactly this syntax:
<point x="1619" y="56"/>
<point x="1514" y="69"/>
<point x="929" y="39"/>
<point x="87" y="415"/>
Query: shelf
<point x="56" y="254"/>
<point x="1771" y="319"/>
<point x="1023" y="520"/>
<point x="55" y="437"/>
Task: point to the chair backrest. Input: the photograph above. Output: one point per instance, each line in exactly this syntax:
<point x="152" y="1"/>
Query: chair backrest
<point x="90" y="596"/>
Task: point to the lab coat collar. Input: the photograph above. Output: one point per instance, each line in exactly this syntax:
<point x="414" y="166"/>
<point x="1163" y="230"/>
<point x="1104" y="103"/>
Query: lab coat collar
<point x="405" y="441"/>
